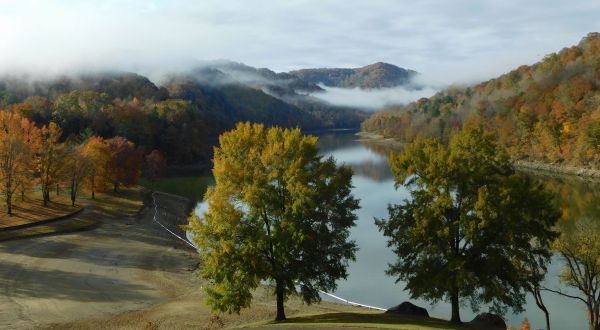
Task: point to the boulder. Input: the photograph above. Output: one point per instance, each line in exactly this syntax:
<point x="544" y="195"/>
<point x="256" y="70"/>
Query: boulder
<point x="407" y="308"/>
<point x="489" y="320"/>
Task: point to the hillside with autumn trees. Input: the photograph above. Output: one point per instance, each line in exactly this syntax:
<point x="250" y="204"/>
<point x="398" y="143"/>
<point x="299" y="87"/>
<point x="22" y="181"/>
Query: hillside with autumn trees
<point x="181" y="116"/>
<point x="548" y="112"/>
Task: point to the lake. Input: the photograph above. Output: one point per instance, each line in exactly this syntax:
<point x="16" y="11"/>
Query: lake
<point x="367" y="282"/>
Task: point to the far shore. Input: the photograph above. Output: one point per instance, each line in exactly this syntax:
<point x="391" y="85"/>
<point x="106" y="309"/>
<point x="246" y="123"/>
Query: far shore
<point x="536" y="166"/>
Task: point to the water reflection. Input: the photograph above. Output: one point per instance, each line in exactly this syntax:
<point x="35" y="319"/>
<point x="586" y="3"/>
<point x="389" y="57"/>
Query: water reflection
<point x="374" y="186"/>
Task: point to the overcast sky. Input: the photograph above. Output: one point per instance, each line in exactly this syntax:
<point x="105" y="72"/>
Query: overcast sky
<point x="452" y="41"/>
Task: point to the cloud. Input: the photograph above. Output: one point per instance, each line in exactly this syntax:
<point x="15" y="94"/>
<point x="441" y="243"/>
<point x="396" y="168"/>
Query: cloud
<point x="455" y="41"/>
<point x="372" y="99"/>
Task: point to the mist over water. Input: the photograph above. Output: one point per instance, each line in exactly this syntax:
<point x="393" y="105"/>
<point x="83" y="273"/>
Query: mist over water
<point x="373" y="99"/>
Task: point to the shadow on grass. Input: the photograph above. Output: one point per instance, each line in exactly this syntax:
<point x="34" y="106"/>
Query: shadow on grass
<point x="30" y="282"/>
<point x="376" y="320"/>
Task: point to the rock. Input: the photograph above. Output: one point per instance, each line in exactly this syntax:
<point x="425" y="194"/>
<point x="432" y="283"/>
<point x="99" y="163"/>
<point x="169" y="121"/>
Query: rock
<point x="408" y="308"/>
<point x="489" y="320"/>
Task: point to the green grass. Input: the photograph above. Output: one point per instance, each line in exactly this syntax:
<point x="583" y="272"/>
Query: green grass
<point x="192" y="187"/>
<point x="363" y="320"/>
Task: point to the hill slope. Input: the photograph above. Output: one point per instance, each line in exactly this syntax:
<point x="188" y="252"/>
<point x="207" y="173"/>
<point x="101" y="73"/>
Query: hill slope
<point x="183" y="116"/>
<point x="548" y="112"/>
<point x="377" y="75"/>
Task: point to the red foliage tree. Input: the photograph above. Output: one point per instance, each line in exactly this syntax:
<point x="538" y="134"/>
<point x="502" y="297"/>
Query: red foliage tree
<point x="123" y="167"/>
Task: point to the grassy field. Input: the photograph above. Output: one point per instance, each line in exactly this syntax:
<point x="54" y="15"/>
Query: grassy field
<point x="192" y="187"/>
<point x="125" y="203"/>
<point x="376" y="320"/>
<point x="31" y="209"/>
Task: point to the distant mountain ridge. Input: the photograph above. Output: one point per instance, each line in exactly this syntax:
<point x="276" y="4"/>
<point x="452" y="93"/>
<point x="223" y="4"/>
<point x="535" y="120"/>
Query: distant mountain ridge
<point x="377" y="75"/>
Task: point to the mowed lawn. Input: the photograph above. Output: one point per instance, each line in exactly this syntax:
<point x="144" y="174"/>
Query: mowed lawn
<point x="31" y="209"/>
<point x="125" y="203"/>
<point x="376" y="320"/>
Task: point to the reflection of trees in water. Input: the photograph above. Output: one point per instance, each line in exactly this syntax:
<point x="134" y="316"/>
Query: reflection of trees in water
<point x="578" y="199"/>
<point x="376" y="171"/>
<point x="382" y="148"/>
<point x="329" y="142"/>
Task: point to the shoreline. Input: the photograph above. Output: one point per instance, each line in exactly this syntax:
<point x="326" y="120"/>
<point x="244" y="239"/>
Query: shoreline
<point x="539" y="167"/>
<point x="556" y="170"/>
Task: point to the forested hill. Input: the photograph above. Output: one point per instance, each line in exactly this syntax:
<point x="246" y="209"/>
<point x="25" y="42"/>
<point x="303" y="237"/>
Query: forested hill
<point x="549" y="111"/>
<point x="182" y="115"/>
<point x="377" y="75"/>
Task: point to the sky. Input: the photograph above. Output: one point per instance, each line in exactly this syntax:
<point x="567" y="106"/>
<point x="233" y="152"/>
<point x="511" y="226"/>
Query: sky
<point x="447" y="41"/>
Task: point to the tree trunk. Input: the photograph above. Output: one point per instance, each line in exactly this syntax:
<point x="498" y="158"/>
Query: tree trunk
<point x="455" y="307"/>
<point x="8" y="204"/>
<point x="593" y="317"/>
<point x="115" y="187"/>
<point x="57" y="190"/>
<point x="537" y="294"/>
<point x="279" y="290"/>
<point x="73" y="192"/>
<point x="93" y="186"/>
<point x="22" y="195"/>
<point x="46" y="195"/>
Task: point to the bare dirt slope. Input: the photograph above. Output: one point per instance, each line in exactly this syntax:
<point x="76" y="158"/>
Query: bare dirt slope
<point x="126" y="263"/>
<point x="128" y="273"/>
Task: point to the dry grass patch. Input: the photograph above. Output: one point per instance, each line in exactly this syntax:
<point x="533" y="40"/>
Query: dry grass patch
<point x="126" y="202"/>
<point x="32" y="210"/>
<point x="363" y="319"/>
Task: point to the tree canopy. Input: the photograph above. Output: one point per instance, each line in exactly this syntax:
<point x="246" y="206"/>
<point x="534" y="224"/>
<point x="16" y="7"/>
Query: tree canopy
<point x="579" y="247"/>
<point x="278" y="212"/>
<point x="472" y="226"/>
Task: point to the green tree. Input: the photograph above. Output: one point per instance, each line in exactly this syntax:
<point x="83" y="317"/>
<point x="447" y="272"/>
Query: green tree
<point x="277" y="212"/>
<point x="470" y="225"/>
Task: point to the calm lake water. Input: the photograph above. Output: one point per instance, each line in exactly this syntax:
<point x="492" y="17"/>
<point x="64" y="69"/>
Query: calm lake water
<point x="374" y="186"/>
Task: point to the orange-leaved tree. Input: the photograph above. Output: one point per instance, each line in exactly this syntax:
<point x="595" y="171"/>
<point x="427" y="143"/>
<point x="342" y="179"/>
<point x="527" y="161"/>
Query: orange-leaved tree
<point x="155" y="165"/>
<point x="16" y="153"/>
<point x="123" y="167"/>
<point x="50" y="156"/>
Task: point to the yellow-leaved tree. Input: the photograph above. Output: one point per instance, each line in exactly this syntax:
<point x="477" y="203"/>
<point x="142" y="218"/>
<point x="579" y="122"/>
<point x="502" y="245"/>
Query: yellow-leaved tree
<point x="278" y="212"/>
<point x="96" y="150"/>
<point x="50" y="154"/>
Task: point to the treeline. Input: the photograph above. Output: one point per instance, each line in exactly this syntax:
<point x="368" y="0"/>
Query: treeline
<point x="34" y="156"/>
<point x="548" y="112"/>
<point x="172" y="126"/>
<point x="182" y="118"/>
